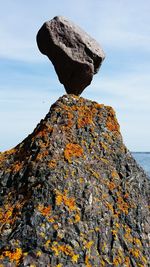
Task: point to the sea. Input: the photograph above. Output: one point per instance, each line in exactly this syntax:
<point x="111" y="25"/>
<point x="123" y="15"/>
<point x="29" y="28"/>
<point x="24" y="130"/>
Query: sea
<point x="143" y="159"/>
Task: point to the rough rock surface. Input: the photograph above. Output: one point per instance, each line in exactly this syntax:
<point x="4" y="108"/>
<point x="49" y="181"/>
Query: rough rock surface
<point x="72" y="194"/>
<point x="75" y="55"/>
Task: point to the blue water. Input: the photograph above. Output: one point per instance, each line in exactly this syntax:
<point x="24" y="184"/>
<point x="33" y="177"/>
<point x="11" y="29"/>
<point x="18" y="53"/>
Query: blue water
<point x="143" y="158"/>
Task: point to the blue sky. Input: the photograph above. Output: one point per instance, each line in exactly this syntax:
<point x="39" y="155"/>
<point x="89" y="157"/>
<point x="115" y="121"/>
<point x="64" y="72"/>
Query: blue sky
<point x="29" y="85"/>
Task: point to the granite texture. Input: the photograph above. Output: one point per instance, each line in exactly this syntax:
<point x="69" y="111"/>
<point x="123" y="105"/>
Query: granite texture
<point x="72" y="195"/>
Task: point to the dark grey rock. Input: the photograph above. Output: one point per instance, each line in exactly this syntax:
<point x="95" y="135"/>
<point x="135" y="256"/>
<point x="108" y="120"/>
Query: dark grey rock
<point x="75" y="55"/>
<point x="86" y="205"/>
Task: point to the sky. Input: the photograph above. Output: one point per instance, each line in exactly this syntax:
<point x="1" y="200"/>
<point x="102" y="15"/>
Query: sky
<point x="29" y="84"/>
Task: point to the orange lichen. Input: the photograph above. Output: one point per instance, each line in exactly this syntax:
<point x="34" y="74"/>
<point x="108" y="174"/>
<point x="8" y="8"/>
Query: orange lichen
<point x="13" y="256"/>
<point x="117" y="261"/>
<point x="52" y="164"/>
<point x="112" y="123"/>
<point x="111" y="186"/>
<point x="69" y="124"/>
<point x="87" y="263"/>
<point x="62" y="198"/>
<point x="127" y="262"/>
<point x="9" y="213"/>
<point x="72" y="150"/>
<point x="45" y="211"/>
<point x="122" y="205"/>
<point x="85" y="116"/>
<point x="43" y="131"/>
<point x="17" y="166"/>
<point x="98" y="106"/>
<point x="42" y="155"/>
<point x="77" y="218"/>
<point x="5" y="215"/>
<point x="66" y="249"/>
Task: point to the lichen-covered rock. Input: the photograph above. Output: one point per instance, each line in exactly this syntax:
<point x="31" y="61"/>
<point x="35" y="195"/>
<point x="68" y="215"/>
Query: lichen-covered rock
<point x="72" y="194"/>
<point x="75" y="55"/>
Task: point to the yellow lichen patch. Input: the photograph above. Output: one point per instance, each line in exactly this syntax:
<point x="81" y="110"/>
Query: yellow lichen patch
<point x="137" y="241"/>
<point x="62" y="198"/>
<point x="75" y="258"/>
<point x="104" y="160"/>
<point x="55" y="226"/>
<point x="66" y="249"/>
<point x="94" y="173"/>
<point x="59" y="265"/>
<point x="109" y="206"/>
<point x="51" y="219"/>
<point x="88" y="244"/>
<point x="103" y="146"/>
<point x="114" y="175"/>
<point x="13" y="256"/>
<point x="135" y="252"/>
<point x="72" y="150"/>
<point x="39" y="253"/>
<point x="114" y="233"/>
<point x="47" y="243"/>
<point x="127" y="234"/>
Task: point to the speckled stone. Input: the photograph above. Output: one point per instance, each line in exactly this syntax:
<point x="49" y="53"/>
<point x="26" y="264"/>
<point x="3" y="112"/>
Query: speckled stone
<point x="72" y="194"/>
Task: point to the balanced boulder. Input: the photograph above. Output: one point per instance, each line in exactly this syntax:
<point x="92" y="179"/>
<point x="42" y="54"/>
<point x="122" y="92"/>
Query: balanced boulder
<point x="75" y="55"/>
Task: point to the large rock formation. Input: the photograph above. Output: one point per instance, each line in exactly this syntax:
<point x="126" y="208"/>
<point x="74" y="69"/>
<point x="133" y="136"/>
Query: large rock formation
<point x="75" y="55"/>
<point x="72" y="194"/>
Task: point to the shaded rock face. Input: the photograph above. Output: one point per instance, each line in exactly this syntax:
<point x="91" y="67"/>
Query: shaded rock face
<point x="75" y="55"/>
<point x="72" y="194"/>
